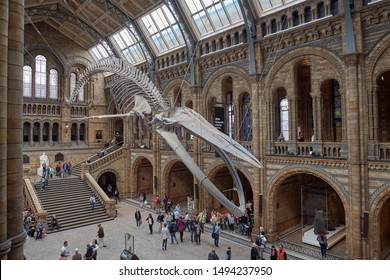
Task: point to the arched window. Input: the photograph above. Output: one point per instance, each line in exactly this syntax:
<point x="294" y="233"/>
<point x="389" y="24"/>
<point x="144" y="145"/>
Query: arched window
<point x="273" y="26"/>
<point x="73" y="80"/>
<point x="236" y="38"/>
<point x="53" y="84"/>
<point x="27" y="81"/>
<point x="284" y="22"/>
<point x="40" y="76"/>
<point x="264" y="29"/>
<point x="295" y="18"/>
<point x="320" y="10"/>
<point x="284" y="128"/>
<point x="246" y="118"/>
<point x="307" y="15"/>
<point x="334" y="7"/>
<point x="228" y="41"/>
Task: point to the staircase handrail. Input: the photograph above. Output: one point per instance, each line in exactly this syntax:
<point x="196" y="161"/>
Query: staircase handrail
<point x="105" y="159"/>
<point x="34" y="203"/>
<point x="101" y="195"/>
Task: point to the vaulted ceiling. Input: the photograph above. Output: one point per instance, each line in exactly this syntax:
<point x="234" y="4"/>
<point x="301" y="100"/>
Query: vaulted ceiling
<point x="86" y="22"/>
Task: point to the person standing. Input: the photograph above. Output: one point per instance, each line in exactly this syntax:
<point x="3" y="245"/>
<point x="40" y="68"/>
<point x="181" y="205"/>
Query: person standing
<point x="254" y="252"/>
<point x="150" y="221"/>
<point x="213" y="255"/>
<point x="77" y="255"/>
<point x="228" y="253"/>
<point x="216" y="232"/>
<point x="109" y="190"/>
<point x="274" y="253"/>
<point x="198" y="232"/>
<point x="323" y="241"/>
<point x="95" y="248"/>
<point x="100" y="235"/>
<point x="172" y="231"/>
<point x="138" y="218"/>
<point x="260" y="242"/>
<point x="164" y="236"/>
<point x="65" y="250"/>
<point x="117" y="198"/>
<point x="92" y="202"/>
<point x="282" y="255"/>
<point x="181" y="225"/>
<point x="160" y="220"/>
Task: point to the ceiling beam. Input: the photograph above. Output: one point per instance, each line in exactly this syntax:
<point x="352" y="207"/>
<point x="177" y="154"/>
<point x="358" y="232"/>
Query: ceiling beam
<point x="66" y="17"/>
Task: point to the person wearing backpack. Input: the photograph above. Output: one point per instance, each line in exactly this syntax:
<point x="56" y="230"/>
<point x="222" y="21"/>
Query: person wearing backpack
<point x="172" y="231"/>
<point x="260" y="242"/>
<point x="198" y="232"/>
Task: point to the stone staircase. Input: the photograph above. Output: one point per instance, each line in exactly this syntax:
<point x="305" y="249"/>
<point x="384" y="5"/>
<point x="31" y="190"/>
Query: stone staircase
<point x="68" y="199"/>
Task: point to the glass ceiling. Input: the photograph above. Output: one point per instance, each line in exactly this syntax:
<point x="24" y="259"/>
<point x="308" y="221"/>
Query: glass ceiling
<point x="99" y="52"/>
<point x="272" y="4"/>
<point x="210" y="16"/>
<point x="164" y="32"/>
<point x="129" y="46"/>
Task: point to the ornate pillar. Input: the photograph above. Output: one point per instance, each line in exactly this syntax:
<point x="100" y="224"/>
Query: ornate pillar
<point x="15" y="200"/>
<point x="50" y="134"/>
<point x="5" y="244"/>
<point x="77" y="133"/>
<point x="31" y="135"/>
<point x="357" y="161"/>
<point x="40" y="134"/>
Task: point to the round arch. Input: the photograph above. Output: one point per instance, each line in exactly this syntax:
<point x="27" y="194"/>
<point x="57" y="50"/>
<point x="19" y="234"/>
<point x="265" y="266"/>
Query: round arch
<point x="276" y="181"/>
<point x="295" y="56"/>
<point x="378" y="201"/>
<point x="142" y="175"/>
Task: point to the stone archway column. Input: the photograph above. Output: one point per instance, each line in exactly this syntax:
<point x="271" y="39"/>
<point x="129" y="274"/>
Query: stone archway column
<point x="40" y="134"/>
<point x="357" y="158"/>
<point x="78" y="133"/>
<point x="50" y="134"/>
<point x="14" y="184"/>
<point x="5" y="244"/>
<point x="31" y="135"/>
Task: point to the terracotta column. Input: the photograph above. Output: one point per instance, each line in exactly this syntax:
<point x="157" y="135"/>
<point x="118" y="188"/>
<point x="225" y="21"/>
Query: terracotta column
<point x="5" y="244"/>
<point x="31" y="136"/>
<point x="357" y="159"/>
<point x="15" y="199"/>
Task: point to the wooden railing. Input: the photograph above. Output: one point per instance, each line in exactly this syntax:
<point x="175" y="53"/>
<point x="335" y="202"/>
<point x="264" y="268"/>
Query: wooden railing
<point x="32" y="201"/>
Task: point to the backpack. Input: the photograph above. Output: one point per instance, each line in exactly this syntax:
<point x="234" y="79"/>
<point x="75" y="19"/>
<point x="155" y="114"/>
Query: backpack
<point x="260" y="241"/>
<point x="198" y="230"/>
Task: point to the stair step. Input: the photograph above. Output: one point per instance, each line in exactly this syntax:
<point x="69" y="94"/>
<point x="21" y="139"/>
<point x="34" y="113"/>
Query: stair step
<point x="68" y="199"/>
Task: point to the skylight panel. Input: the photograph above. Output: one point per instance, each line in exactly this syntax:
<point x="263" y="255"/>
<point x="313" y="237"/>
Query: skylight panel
<point x="163" y="29"/>
<point x="213" y="15"/>
<point x="129" y="46"/>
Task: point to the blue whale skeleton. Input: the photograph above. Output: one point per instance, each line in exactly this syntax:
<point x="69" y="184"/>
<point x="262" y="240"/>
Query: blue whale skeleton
<point x="135" y="95"/>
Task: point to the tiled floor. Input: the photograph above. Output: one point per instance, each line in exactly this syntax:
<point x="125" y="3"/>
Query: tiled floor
<point x="147" y="247"/>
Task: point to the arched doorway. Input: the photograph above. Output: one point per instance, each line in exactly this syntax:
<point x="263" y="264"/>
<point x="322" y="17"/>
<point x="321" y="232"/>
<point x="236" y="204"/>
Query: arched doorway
<point x="224" y="182"/>
<point x="180" y="184"/>
<point x="384" y="231"/>
<point x="107" y="178"/>
<point x="301" y="206"/>
<point x="144" y="173"/>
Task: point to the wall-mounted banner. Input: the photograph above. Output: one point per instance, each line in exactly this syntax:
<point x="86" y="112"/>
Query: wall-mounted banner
<point x="219" y="120"/>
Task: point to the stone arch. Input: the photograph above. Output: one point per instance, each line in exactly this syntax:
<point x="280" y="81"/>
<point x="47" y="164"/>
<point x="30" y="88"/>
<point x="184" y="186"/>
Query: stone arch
<point x="275" y="181"/>
<point x="373" y="67"/>
<point x="118" y="179"/>
<point x="298" y="55"/>
<point x="217" y="166"/>
<point x="377" y="201"/>
<point x="76" y="60"/>
<point x="134" y="172"/>
<point x="228" y="70"/>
